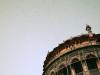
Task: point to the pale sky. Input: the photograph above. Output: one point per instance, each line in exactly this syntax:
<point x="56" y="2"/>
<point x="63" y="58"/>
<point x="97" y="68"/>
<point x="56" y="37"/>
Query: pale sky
<point x="31" y="28"/>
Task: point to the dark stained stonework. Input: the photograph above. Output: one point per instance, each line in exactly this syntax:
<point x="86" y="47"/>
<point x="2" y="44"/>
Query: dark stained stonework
<point x="79" y="55"/>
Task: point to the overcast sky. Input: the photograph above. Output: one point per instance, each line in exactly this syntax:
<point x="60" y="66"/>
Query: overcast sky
<point x="31" y="28"/>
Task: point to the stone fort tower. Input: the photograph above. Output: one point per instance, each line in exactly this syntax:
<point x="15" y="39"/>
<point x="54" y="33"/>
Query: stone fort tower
<point x="79" y="55"/>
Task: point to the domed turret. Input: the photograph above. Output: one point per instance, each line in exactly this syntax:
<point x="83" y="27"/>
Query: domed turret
<point x="79" y="55"/>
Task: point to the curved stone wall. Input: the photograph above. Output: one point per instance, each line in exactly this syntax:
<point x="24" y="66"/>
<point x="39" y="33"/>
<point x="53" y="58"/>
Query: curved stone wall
<point x="77" y="56"/>
<point x="82" y="61"/>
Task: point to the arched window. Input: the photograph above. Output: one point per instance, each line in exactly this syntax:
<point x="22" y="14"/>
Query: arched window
<point x="91" y="61"/>
<point x="62" y="70"/>
<point x="76" y="67"/>
<point x="52" y="73"/>
<point x="92" y="64"/>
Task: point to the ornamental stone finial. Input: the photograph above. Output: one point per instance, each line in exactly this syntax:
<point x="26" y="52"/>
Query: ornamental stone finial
<point x="88" y="28"/>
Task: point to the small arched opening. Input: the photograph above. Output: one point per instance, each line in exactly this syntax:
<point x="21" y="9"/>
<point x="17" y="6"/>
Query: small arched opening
<point x="62" y="70"/>
<point x="92" y="64"/>
<point x="52" y="73"/>
<point x="91" y="61"/>
<point x="76" y="67"/>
